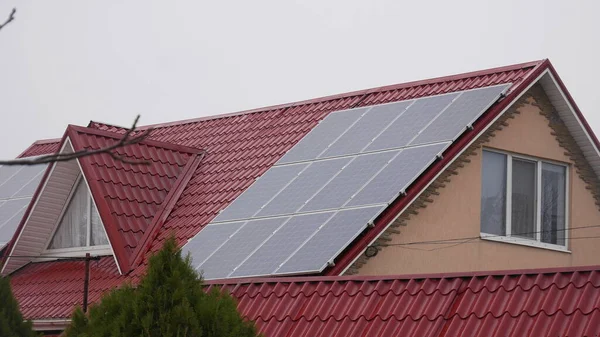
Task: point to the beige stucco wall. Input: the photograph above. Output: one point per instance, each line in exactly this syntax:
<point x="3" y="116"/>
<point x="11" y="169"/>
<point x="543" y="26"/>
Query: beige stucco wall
<point x="455" y="213"/>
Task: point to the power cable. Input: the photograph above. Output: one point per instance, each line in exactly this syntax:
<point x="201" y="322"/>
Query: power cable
<point x="463" y="240"/>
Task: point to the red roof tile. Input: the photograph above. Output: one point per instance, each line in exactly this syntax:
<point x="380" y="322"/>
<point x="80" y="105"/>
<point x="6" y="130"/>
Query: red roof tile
<point x="52" y="289"/>
<point x="522" y="303"/>
<point x="239" y="148"/>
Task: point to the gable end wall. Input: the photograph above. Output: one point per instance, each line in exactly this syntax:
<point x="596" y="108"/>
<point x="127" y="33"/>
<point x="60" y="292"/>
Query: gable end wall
<point x="450" y="207"/>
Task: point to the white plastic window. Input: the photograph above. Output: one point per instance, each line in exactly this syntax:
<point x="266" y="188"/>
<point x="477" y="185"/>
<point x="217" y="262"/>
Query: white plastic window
<point x="524" y="198"/>
<point x="80" y="225"/>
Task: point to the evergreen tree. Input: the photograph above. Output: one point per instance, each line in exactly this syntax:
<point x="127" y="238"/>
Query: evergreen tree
<point x="168" y="301"/>
<point x="11" y="319"/>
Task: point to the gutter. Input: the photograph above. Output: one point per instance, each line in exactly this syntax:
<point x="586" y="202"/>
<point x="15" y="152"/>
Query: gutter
<point x="50" y="324"/>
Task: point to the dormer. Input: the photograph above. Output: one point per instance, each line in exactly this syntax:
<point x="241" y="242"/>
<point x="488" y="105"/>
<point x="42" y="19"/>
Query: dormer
<point x="100" y="205"/>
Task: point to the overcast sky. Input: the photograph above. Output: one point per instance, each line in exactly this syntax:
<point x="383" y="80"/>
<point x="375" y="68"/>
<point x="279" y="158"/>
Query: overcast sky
<point x="73" y="61"/>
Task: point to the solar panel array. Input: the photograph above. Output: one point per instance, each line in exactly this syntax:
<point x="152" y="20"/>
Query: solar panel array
<point x="17" y="185"/>
<point x="301" y="213"/>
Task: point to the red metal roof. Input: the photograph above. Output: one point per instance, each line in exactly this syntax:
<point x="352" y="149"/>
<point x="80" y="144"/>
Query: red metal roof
<point x="51" y="290"/>
<point x="523" y="303"/>
<point x="242" y="146"/>
<point x="132" y="198"/>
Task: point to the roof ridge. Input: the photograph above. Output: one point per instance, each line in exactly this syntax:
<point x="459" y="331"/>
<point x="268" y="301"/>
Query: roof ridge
<point x="359" y="92"/>
<point x="147" y="141"/>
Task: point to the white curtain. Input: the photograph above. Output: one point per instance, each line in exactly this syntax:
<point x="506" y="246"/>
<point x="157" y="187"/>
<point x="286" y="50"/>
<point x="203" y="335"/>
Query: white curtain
<point x="523" y="198"/>
<point x="493" y="193"/>
<point x="553" y="203"/>
<point x="72" y="229"/>
<point x="98" y="235"/>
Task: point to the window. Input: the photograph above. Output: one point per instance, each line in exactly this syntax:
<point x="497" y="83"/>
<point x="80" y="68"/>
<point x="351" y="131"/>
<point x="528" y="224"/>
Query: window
<point x="523" y="198"/>
<point x="80" y="225"/>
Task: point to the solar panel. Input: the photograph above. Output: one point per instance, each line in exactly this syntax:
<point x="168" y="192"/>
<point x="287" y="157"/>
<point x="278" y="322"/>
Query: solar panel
<point x="330" y="240"/>
<point x="411" y="122"/>
<point x="397" y="175"/>
<point x="17" y="185"/>
<point x="282" y="244"/>
<point x="338" y="191"/>
<point x="12" y="187"/>
<point x="367" y="128"/>
<point x="6" y="172"/>
<point x="239" y="246"/>
<point x="304" y="187"/>
<point x="298" y="216"/>
<point x="322" y="135"/>
<point x="462" y="112"/>
<point x="259" y="193"/>
<point x="209" y="239"/>
<point x="11" y="212"/>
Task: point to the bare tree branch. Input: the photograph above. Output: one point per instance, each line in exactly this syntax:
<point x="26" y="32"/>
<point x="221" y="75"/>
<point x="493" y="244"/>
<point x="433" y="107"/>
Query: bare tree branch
<point x="126" y="139"/>
<point x="10" y="18"/>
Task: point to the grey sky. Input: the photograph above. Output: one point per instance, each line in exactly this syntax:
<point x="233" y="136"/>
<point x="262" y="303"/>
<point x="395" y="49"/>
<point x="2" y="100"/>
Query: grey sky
<point x="71" y="61"/>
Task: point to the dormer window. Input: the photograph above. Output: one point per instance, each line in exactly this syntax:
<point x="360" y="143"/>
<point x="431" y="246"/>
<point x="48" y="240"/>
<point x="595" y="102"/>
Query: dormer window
<point x="80" y="227"/>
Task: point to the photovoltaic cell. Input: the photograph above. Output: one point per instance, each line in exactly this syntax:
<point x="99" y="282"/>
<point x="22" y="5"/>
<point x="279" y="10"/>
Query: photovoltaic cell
<point x="396" y="176"/>
<point x="281" y="245"/>
<point x="259" y="193"/>
<point x="11" y="212"/>
<point x="464" y="110"/>
<point x="17" y="185"/>
<point x="6" y="172"/>
<point x="305" y="186"/>
<point x="239" y="246"/>
<point x="14" y="184"/>
<point x="338" y="191"/>
<point x="208" y="240"/>
<point x="411" y="122"/>
<point x="378" y="152"/>
<point x="322" y="135"/>
<point x="363" y="132"/>
<point x="29" y="188"/>
<point x="330" y="240"/>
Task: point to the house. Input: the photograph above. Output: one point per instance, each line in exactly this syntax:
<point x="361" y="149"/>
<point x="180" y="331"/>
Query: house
<point x="311" y="205"/>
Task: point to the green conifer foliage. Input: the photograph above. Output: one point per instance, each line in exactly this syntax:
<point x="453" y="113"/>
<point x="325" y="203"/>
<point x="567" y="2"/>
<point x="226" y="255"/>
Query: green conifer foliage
<point x="11" y="319"/>
<point x="169" y="301"/>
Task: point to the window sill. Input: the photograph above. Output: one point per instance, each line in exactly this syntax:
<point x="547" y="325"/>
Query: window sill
<point x="524" y="242"/>
<point x="50" y="254"/>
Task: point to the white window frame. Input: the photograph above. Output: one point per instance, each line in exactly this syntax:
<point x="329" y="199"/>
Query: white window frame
<point x="508" y="238"/>
<point x="77" y="251"/>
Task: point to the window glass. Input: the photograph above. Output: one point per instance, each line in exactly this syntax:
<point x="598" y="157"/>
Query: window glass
<point x="98" y="236"/>
<point x="493" y="193"/>
<point x="523" y="198"/>
<point x="72" y="229"/>
<point x="553" y="203"/>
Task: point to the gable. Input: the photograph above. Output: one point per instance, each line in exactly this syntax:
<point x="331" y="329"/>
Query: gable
<point x="433" y="233"/>
<point x="132" y="200"/>
<point x="80" y="225"/>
